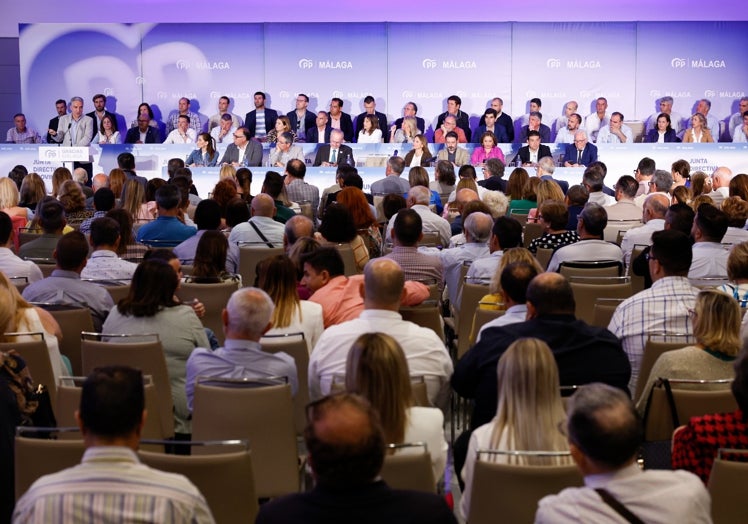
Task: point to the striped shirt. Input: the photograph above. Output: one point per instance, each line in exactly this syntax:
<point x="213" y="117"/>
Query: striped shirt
<point x="663" y="308"/>
<point x="111" y="485"/>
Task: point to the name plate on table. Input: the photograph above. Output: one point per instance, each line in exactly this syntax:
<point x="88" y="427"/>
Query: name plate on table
<point x="63" y="154"/>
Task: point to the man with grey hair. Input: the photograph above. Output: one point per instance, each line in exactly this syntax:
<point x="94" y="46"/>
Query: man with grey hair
<point x="666" y="106"/>
<point x="296" y="227"/>
<point x="477" y="228"/>
<point x="493" y="173"/>
<point x="535" y="123"/>
<point x="260" y="229"/>
<point x="660" y="183"/>
<point x="74" y="128"/>
<point x="545" y="168"/>
<point x="581" y="153"/>
<point x="246" y="317"/>
<point x="392" y="181"/>
<point x="593" y="179"/>
<point x="591" y="246"/>
<point x="80" y="175"/>
<point x="605" y="434"/>
<point x="418" y="200"/>
<point x="720" y="185"/>
<point x="382" y="290"/>
<point x="653" y="216"/>
<point x="703" y="106"/>
<point x="736" y="120"/>
<point x="598" y="119"/>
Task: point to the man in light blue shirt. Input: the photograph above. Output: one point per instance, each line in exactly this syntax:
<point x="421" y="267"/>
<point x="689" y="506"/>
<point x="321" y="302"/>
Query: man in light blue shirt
<point x="167" y="230"/>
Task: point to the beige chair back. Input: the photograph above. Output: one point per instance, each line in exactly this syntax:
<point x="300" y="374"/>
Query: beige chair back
<point x="261" y="413"/>
<point x="603" y="311"/>
<point x="36" y="355"/>
<point x="73" y="321"/>
<point x="37" y="455"/>
<point x="471" y="295"/>
<point x="513" y="491"/>
<point x="519" y="216"/>
<point x="425" y="315"/>
<point x="728" y="487"/>
<point x="145" y="356"/>
<point x="295" y="346"/>
<point x="225" y="477"/>
<point x="543" y="256"/>
<point x="533" y="230"/>
<point x="597" y="268"/>
<point x="656" y="345"/>
<point x="214" y="297"/>
<point x="637" y="282"/>
<point x="615" y="229"/>
<point x="585" y="294"/>
<point x="483" y="317"/>
<point x="117" y="292"/>
<point x="250" y="255"/>
<point x="661" y="417"/>
<point x="410" y="469"/>
<point x="430" y="239"/>
<point x="349" y="260"/>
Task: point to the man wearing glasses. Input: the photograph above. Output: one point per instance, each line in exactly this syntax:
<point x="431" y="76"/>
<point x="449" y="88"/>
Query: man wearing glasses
<point x="300" y="118"/>
<point x="581" y="153"/>
<point x="243" y="152"/>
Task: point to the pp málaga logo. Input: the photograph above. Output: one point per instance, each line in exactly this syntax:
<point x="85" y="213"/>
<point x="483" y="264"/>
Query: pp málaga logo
<point x="306" y="63"/>
<point x="183" y="64"/>
<point x="553" y="63"/>
<point x="678" y="63"/>
<point x="428" y="63"/>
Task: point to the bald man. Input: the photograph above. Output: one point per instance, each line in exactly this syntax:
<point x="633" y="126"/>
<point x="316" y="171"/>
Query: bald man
<point x="260" y="229"/>
<point x="653" y="216"/>
<point x="418" y="200"/>
<point x="720" y="184"/>
<point x="296" y="227"/>
<point x="382" y="292"/>
<point x="346" y="448"/>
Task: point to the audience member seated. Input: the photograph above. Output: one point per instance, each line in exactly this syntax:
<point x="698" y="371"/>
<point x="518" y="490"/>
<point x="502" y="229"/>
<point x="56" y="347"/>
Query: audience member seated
<point x="209" y="264"/>
<point x="418" y="200"/>
<point x="444" y="178"/>
<point x="709" y="256"/>
<point x="10" y="264"/>
<point x="364" y="219"/>
<point x="420" y="155"/>
<point x="716" y="328"/>
<point x="737" y="273"/>
<point x="392" y="182"/>
<point x="514" y="280"/>
<point x="32" y="191"/>
<point x="664" y="307"/>
<point x="207" y="218"/>
<point x="625" y="208"/>
<point x="376" y="368"/>
<point x="488" y="149"/>
<point x="297" y="189"/>
<point x="663" y="132"/>
<point x="261" y="229"/>
<point x="605" y="435"/>
<point x="506" y="233"/>
<point x="575" y="200"/>
<point x="111" y="418"/>
<point x="383" y="293"/>
<point x="167" y="230"/>
<point x="104" y="263"/>
<point x="407" y="232"/>
<point x="296" y="252"/>
<point x="10" y="198"/>
<point x="277" y="277"/>
<point x="528" y="416"/>
<point x="338" y="228"/>
<point x="554" y="217"/>
<point x="546" y="190"/>
<point x="653" y="215"/>
<point x="347" y="442"/>
<point x="593" y="180"/>
<point x="151" y="307"/>
<point x="128" y="248"/>
<point x="103" y="202"/>
<point x="736" y="210"/>
<point x="494" y="301"/>
<point x="51" y="219"/>
<point x="695" y="444"/>
<point x="18" y="316"/>
<point x="493" y="175"/>
<point x="591" y="246"/>
<point x="273" y="186"/>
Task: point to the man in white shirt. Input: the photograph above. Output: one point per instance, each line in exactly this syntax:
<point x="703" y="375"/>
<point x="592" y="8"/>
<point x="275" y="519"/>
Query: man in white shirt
<point x="223" y="109"/>
<point x="514" y="281"/>
<point x="261" y="229"/>
<point x="596" y="120"/>
<point x="591" y="246"/>
<point x="565" y="135"/>
<point x="382" y="292"/>
<point x="720" y="185"/>
<point x="561" y="123"/>
<point x="104" y="263"/>
<point x="224" y="131"/>
<point x="709" y="255"/>
<point x="736" y="119"/>
<point x="660" y="182"/>
<point x="703" y="106"/>
<point x="616" y="132"/>
<point x="593" y="179"/>
<point x="418" y="200"/>
<point x="605" y="435"/>
<point x="505" y="234"/>
<point x="653" y="216"/>
<point x="10" y="264"/>
<point x="183" y="134"/>
<point x="666" y="106"/>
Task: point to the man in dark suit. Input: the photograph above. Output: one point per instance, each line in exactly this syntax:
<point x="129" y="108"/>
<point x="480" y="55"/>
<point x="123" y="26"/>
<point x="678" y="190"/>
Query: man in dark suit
<point x="453" y="108"/>
<point x="371" y="109"/>
<point x="244" y="151"/>
<point x="301" y="119"/>
<point x="341" y="120"/>
<point x="546" y="167"/>
<point x="335" y="153"/>
<point x="62" y="109"/>
<point x="143" y="134"/>
<point x="494" y="168"/>
<point x="320" y="133"/>
<point x="502" y="119"/>
<point x="581" y="153"/>
<point x="99" y="112"/>
<point x="346" y="448"/>
<point x="536" y="124"/>
<point x="262" y="119"/>
<point x="489" y="117"/>
<point x="410" y="110"/>
<point x="534" y="150"/>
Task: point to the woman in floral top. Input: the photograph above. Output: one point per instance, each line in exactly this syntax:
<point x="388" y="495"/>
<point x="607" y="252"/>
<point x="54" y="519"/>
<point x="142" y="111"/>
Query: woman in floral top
<point x="553" y="216"/>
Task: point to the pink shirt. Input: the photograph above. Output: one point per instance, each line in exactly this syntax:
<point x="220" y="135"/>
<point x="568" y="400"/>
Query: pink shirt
<point x="479" y="155"/>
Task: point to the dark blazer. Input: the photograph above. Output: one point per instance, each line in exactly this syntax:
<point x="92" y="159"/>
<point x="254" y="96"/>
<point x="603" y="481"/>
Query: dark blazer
<point x="346" y="126"/>
<point x="382" y="125"/>
<point x="152" y="136"/>
<point x="252" y="154"/>
<point x="250" y="121"/>
<point x="563" y="184"/>
<point x="498" y="131"/>
<point x="111" y="115"/>
<point x="345" y="155"/>
<point x="463" y="122"/>
<point x="589" y="154"/>
<point x="524" y="153"/>
<point x="545" y="134"/>
<point x="310" y="121"/>
<point x="425" y="161"/>
<point x="53" y="123"/>
<point x="653" y="136"/>
<point x="420" y="124"/>
<point x="493" y="183"/>
<point x="312" y="135"/>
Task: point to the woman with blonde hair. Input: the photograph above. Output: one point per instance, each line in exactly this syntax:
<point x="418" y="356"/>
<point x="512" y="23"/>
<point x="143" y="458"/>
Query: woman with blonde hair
<point x="117" y="179"/>
<point x="546" y="190"/>
<point x="407" y="132"/>
<point x="699" y="131"/>
<point x="377" y="370"/>
<point x="18" y="316"/>
<point x="133" y="198"/>
<point x="282" y="125"/>
<point x="74" y="201"/>
<point x="420" y="155"/>
<point x="514" y="254"/>
<point x="227" y="171"/>
<point x="701" y="183"/>
<point x="32" y="191"/>
<point x="10" y="198"/>
<point x="277" y="277"/>
<point x="60" y="175"/>
<point x="737" y="274"/>
<point x="716" y="328"/>
<point x="528" y="415"/>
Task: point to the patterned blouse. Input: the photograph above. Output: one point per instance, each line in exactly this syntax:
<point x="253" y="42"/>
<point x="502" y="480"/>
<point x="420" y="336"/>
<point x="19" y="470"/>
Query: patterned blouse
<point x="553" y="241"/>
